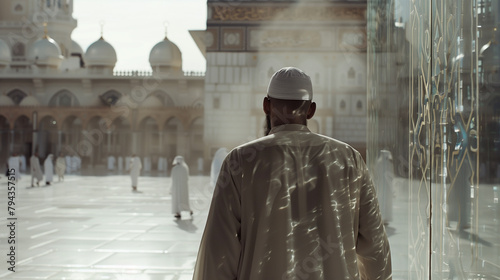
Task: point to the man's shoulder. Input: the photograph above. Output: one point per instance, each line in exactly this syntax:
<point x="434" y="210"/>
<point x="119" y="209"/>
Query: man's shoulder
<point x="305" y="138"/>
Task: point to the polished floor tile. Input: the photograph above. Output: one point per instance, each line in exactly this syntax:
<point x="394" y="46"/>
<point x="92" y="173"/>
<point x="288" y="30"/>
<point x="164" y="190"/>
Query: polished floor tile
<point x="96" y="228"/>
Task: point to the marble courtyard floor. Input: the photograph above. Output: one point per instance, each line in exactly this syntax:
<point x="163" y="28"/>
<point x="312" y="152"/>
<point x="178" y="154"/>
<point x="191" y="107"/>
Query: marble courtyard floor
<point x="95" y="227"/>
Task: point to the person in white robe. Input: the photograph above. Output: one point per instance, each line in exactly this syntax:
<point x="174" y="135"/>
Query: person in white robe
<point x="160" y="164"/>
<point x="293" y="204"/>
<point x="111" y="163"/>
<point x="74" y="163"/>
<point x="180" y="188"/>
<point x="22" y="159"/>
<point x="60" y="167"/>
<point x="219" y="157"/>
<point x="36" y="170"/>
<point x="120" y="164"/>
<point x="48" y="167"/>
<point x="383" y="176"/>
<point x="14" y="167"/>
<point x="135" y="171"/>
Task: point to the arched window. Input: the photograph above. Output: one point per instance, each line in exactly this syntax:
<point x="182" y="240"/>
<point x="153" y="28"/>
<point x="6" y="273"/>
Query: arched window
<point x="64" y="99"/>
<point x="17" y="96"/>
<point x="18" y="50"/>
<point x="342" y="104"/>
<point x="111" y="97"/>
<point x="359" y="105"/>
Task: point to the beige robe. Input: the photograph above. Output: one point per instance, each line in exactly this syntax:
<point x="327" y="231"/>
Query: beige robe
<point x="60" y="167"/>
<point x="135" y="170"/>
<point x="36" y="170"/>
<point x="294" y="205"/>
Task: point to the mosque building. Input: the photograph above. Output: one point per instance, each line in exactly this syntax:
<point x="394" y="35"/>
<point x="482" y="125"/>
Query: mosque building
<point x="247" y="41"/>
<point x="54" y="97"/>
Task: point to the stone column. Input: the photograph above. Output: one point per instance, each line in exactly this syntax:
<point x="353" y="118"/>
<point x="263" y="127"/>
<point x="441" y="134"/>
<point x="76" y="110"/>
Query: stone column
<point x="134" y="142"/>
<point x="108" y="132"/>
<point x="11" y="141"/>
<point x="59" y="142"/>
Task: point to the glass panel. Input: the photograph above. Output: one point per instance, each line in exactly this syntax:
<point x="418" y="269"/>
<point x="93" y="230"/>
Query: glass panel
<point x="440" y="123"/>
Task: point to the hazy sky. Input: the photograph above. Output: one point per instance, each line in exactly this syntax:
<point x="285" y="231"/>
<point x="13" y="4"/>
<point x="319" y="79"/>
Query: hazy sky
<point x="133" y="27"/>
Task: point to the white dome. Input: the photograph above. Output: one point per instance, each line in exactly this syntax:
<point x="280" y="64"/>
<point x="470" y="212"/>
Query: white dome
<point x="165" y="53"/>
<point x="5" y="57"/>
<point x="45" y="52"/>
<point x="29" y="101"/>
<point x="6" y="101"/>
<point x="100" y="53"/>
<point x="75" y="48"/>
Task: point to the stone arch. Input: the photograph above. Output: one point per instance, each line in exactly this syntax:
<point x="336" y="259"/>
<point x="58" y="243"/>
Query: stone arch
<point x="152" y="101"/>
<point x="166" y="98"/>
<point x="64" y="98"/>
<point x="17" y="95"/>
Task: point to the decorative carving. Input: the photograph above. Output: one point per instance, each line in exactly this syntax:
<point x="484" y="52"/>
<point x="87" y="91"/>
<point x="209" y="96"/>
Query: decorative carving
<point x="233" y="38"/>
<point x="279" y="39"/>
<point x="317" y="13"/>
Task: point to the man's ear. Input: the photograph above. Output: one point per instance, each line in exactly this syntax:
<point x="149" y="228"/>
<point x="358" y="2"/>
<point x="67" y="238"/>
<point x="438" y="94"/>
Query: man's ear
<point x="311" y="110"/>
<point x="266" y="105"/>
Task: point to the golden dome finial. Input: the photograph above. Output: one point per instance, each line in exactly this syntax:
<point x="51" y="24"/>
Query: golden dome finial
<point x="45" y="30"/>
<point x="101" y="23"/>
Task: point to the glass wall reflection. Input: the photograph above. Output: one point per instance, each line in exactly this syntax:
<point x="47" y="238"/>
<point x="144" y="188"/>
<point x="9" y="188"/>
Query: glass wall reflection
<point x="434" y="129"/>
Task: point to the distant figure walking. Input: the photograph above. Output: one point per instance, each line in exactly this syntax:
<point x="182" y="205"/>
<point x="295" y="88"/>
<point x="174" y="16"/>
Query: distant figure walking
<point x="36" y="170"/>
<point x="135" y="171"/>
<point x="49" y="169"/>
<point x="60" y="167"/>
<point x="384" y="177"/>
<point x="180" y="191"/>
<point x="14" y="167"/>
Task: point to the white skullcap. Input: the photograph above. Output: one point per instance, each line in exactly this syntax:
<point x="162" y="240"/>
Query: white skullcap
<point x="290" y="83"/>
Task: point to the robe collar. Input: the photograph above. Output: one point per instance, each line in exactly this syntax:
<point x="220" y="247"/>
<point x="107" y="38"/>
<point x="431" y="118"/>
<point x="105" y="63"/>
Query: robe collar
<point x="289" y="127"/>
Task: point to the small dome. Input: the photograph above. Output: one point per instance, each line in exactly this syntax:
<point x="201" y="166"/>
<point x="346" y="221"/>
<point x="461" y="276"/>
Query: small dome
<point x="5" y="57"/>
<point x="29" y="101"/>
<point x="165" y="53"/>
<point x="45" y="52"/>
<point x="75" y="48"/>
<point x="6" y="101"/>
<point x="100" y="53"/>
